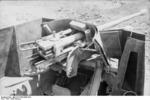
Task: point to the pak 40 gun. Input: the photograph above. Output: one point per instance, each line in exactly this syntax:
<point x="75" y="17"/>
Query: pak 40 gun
<point x="81" y="41"/>
<point x="67" y="47"/>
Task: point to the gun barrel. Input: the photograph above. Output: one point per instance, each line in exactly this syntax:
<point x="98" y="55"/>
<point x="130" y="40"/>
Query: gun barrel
<point x="116" y="22"/>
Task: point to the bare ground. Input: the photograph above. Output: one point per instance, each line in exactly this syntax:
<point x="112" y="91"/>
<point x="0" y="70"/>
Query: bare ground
<point x="93" y="11"/>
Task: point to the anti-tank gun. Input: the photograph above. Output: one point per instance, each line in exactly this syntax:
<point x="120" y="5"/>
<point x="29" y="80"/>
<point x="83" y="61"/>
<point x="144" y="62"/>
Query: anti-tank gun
<point x="69" y="47"/>
<point x="72" y="45"/>
<point x="75" y="46"/>
<point x="69" y="59"/>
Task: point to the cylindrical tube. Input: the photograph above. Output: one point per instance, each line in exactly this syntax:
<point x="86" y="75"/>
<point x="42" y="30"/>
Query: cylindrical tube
<point x="69" y="40"/>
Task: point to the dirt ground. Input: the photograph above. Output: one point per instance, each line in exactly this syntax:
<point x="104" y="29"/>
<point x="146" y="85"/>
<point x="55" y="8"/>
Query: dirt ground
<point x="93" y="11"/>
